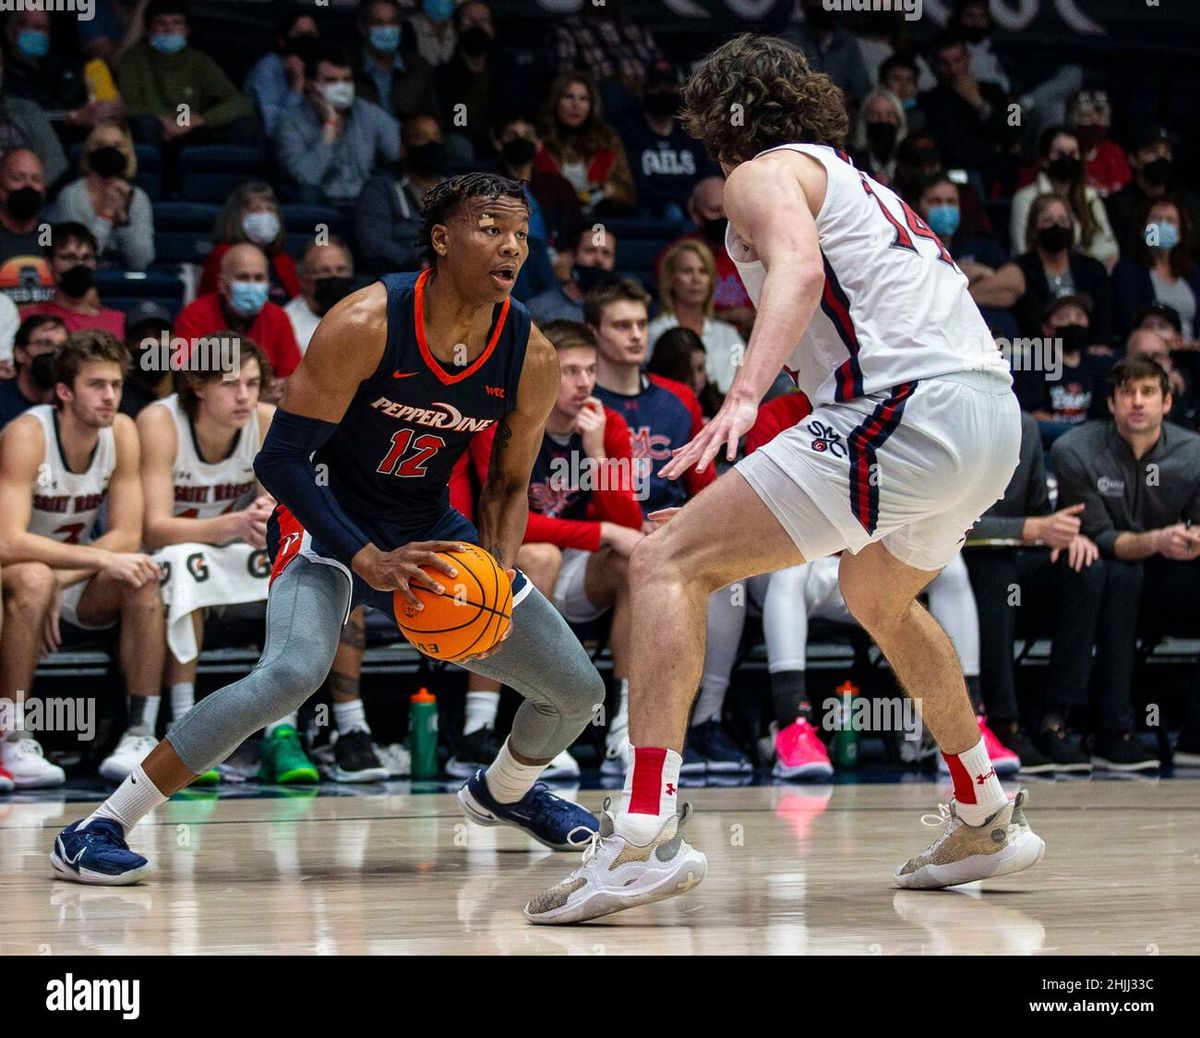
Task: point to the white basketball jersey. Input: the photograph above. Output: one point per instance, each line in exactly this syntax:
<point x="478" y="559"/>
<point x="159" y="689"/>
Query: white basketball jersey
<point x="65" y="503"/>
<point x="203" y="490"/>
<point x="894" y="308"/>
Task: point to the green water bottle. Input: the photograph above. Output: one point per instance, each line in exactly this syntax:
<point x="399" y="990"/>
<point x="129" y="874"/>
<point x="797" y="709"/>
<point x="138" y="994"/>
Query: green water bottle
<point x="422" y="734"/>
<point x="845" y="738"/>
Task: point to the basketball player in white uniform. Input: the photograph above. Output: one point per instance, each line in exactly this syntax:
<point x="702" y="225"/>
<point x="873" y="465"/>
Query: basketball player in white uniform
<point x="198" y="448"/>
<point x="915" y="433"/>
<point x="59" y="464"/>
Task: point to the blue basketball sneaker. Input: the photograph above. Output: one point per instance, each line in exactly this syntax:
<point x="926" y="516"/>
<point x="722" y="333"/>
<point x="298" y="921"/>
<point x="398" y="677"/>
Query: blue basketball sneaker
<point x="556" y="823"/>
<point x="97" y="854"/>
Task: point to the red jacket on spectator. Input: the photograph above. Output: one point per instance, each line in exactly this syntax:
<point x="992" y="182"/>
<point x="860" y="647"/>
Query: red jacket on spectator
<point x="107" y="320"/>
<point x="271" y="330"/>
<point x="609" y="503"/>
<point x="776" y="415"/>
<point x="283" y="271"/>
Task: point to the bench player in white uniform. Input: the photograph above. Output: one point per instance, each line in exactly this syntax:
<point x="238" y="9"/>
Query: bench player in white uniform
<point x="58" y="465"/>
<point x="198" y="448"/>
<point x="915" y="433"/>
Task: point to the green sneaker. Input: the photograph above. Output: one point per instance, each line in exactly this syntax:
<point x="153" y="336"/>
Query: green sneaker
<point x="212" y="777"/>
<point x="282" y="758"/>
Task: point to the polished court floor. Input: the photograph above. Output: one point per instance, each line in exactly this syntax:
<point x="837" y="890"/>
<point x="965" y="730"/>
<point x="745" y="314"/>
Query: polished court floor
<point x="792" y="870"/>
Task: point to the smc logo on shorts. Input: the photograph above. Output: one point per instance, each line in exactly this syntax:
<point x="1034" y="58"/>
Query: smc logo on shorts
<point x="826" y="438"/>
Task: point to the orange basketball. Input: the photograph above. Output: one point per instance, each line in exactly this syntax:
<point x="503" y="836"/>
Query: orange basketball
<point x="469" y="617"/>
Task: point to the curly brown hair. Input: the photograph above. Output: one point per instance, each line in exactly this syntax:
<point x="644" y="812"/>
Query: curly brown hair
<point x="756" y="92"/>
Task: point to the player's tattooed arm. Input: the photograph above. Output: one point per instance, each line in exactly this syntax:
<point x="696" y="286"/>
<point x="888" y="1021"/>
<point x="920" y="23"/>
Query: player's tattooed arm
<point x="504" y="501"/>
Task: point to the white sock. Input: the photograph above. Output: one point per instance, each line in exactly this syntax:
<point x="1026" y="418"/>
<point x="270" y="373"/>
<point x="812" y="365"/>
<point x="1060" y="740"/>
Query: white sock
<point x="134" y="798"/>
<point x="975" y="801"/>
<point x="183" y="698"/>
<point x="710" y="701"/>
<point x="481" y="711"/>
<point x="650" y="794"/>
<point x="143" y="712"/>
<point x="349" y="716"/>
<point x="289" y="721"/>
<point x="507" y="779"/>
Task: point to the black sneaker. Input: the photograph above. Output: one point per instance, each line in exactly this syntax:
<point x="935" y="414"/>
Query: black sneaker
<point x="474" y="751"/>
<point x="355" y="759"/>
<point x="1033" y="760"/>
<point x="1056" y="744"/>
<point x="1121" y="751"/>
<point x="720" y="755"/>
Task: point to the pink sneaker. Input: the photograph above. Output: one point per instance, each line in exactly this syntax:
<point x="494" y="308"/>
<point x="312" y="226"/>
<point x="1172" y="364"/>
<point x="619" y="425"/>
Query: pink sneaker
<point x="799" y="753"/>
<point x="7" y="785"/>
<point x="1003" y="759"/>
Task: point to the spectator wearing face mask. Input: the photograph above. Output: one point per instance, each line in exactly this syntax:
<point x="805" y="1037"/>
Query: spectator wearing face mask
<point x="326" y="276"/>
<point x="1061" y="174"/>
<point x="330" y="146"/>
<point x="240" y="303"/>
<point x="106" y="201"/>
<point x="879" y="129"/>
<point x="589" y="257"/>
<point x="24" y="273"/>
<point x="35" y="345"/>
<point x="904" y="74"/>
<point x="251" y="214"/>
<point x="918" y="158"/>
<point x="1089" y="116"/>
<point x="666" y="162"/>
<point x="434" y="31"/>
<point x="23" y="125"/>
<point x="1053" y="267"/>
<point x="554" y="203"/>
<point x="1159" y="269"/>
<point x="387" y="215"/>
<point x="164" y="71"/>
<point x="147" y="327"/>
<point x="1059" y="400"/>
<point x="389" y="71"/>
<point x="1152" y="160"/>
<point x="276" y="83"/>
<point x="72" y="257"/>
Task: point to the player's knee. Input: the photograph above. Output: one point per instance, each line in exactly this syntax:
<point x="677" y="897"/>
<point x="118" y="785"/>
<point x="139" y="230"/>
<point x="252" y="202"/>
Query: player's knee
<point x="147" y="597"/>
<point x="540" y="564"/>
<point x="662" y="559"/>
<point x="291" y="680"/>
<point x="875" y="612"/>
<point x="29" y="586"/>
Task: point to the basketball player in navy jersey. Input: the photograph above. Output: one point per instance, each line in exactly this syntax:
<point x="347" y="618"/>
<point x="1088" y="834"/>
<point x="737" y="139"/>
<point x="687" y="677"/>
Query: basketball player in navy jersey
<point x="915" y="431"/>
<point x="397" y="379"/>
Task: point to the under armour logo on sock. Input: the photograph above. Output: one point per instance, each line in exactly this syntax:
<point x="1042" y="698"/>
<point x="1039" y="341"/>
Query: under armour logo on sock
<point x="981" y="779"/>
<point x="670" y="789"/>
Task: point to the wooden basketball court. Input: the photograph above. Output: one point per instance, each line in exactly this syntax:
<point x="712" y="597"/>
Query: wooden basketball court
<point x="792" y="870"/>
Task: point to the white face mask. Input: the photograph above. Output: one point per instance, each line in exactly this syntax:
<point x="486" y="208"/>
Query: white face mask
<point x="338" y="95"/>
<point x="262" y="228"/>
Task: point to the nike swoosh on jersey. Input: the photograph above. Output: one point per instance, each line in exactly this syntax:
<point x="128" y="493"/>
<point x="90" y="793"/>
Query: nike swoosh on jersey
<point x="406" y="374"/>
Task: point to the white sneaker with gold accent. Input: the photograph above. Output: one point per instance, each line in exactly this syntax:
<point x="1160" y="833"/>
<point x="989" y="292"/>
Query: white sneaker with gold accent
<point x="617" y="874"/>
<point x="1003" y="844"/>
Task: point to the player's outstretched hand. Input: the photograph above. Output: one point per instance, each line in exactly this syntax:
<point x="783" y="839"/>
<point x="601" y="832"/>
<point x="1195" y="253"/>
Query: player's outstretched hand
<point x="731" y="423"/>
<point x="400" y="570"/>
<point x="512" y="575"/>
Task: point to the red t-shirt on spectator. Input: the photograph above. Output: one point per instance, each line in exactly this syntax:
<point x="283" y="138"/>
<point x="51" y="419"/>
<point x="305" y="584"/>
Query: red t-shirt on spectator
<point x="107" y="320"/>
<point x="271" y="330"/>
<point x="776" y="415"/>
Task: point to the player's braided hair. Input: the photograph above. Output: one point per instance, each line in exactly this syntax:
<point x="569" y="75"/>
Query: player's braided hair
<point x="756" y="92"/>
<point x="441" y="201"/>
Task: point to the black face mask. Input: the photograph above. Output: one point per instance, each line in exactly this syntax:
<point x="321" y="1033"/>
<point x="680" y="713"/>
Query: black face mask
<point x="1065" y="170"/>
<point x="714" y="230"/>
<point x="518" y="152"/>
<point x="475" y="41"/>
<point x="662" y="103"/>
<point x="588" y="278"/>
<point x="1156" y="173"/>
<point x="25" y="203"/>
<point x="76" y="281"/>
<point x="425" y="159"/>
<point x="881" y="138"/>
<point x="329" y="291"/>
<point x="1056" y="238"/>
<point x="108" y="162"/>
<point x="1074" y="337"/>
<point x="41" y="369"/>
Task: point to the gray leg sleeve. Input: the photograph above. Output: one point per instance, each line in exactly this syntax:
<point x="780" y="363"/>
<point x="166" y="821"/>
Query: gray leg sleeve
<point x="305" y="610"/>
<point x="545" y="663"/>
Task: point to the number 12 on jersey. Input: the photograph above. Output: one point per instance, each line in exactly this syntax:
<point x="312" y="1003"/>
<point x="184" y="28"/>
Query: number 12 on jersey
<point x="409" y="456"/>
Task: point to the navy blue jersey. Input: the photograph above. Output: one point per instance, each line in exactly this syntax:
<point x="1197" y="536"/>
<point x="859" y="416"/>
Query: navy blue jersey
<point x="554" y="490"/>
<point x="389" y="461"/>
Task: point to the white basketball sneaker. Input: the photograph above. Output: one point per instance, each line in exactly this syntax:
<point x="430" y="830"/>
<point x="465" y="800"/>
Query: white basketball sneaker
<point x="1004" y="843"/>
<point x="22" y="758"/>
<point x="134" y="747"/>
<point x="617" y="874"/>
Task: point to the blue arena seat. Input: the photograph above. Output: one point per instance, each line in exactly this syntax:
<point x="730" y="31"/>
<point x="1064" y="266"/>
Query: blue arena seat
<point x="304" y="219"/>
<point x="208" y="172"/>
<point x="123" y="290"/>
<point x="183" y="231"/>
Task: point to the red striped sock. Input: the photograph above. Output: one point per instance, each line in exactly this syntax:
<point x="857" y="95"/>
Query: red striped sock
<point x="977" y="791"/>
<point x="651" y="793"/>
